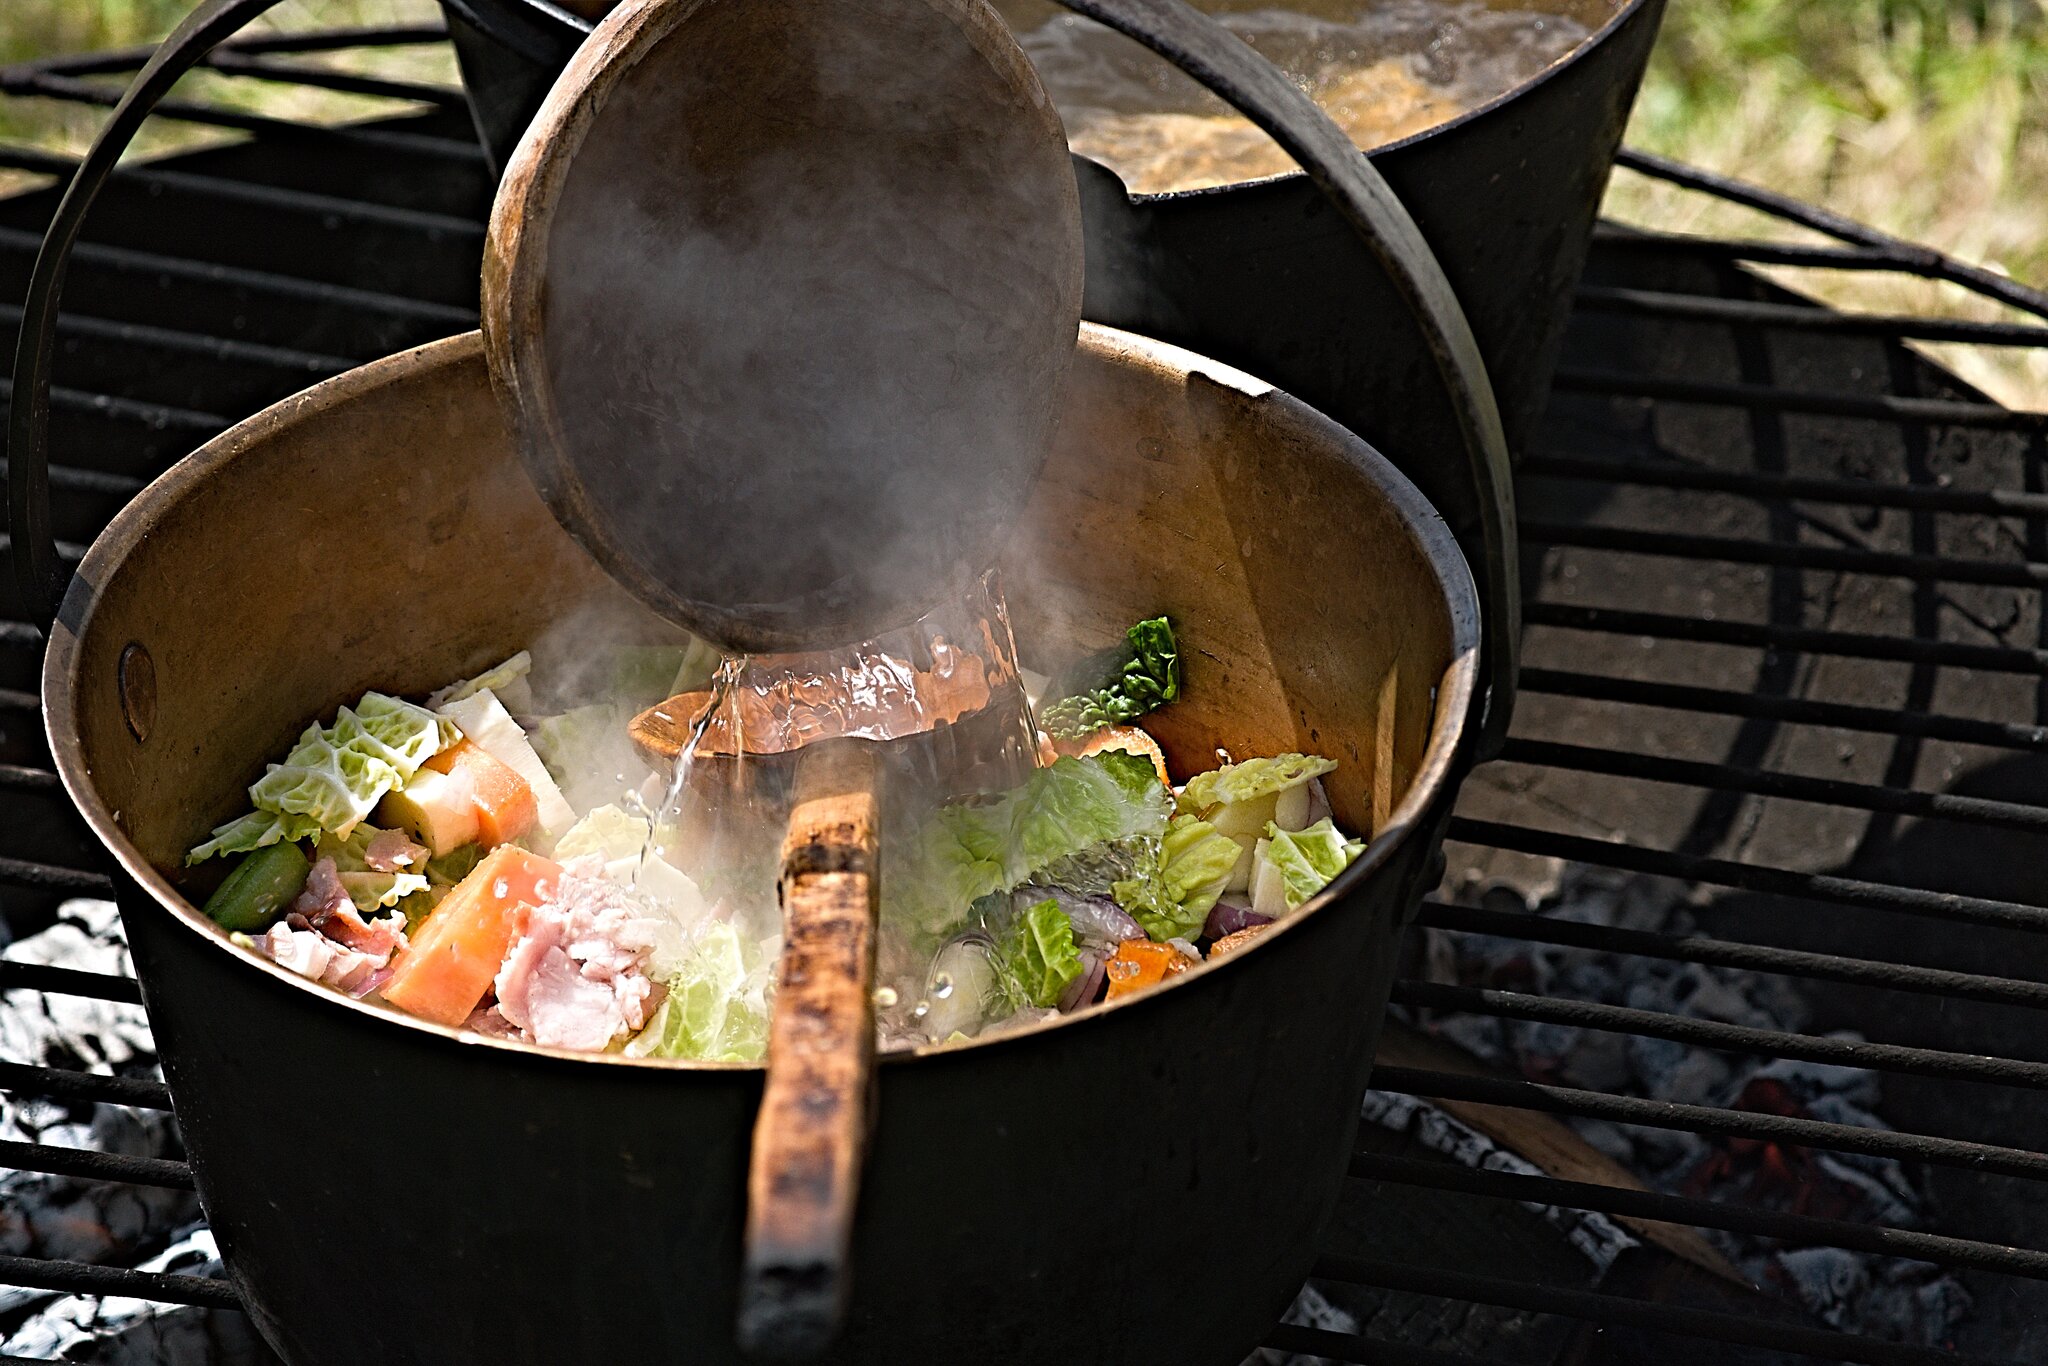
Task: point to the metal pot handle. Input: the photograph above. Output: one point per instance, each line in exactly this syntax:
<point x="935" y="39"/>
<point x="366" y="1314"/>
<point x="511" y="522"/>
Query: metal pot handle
<point x="37" y="572"/>
<point x="1232" y="70"/>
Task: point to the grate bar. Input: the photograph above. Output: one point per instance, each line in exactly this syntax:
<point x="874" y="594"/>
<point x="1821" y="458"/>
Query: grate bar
<point x="1798" y="787"/>
<point x="83" y="1278"/>
<point x="99" y="986"/>
<point x="1922" y="260"/>
<point x="1730" y="250"/>
<point x="190" y="343"/>
<point x="1653" y="303"/>
<point x="1688" y="948"/>
<point x="1739" y="550"/>
<point x="1800" y="639"/>
<point x="63" y="1083"/>
<point x="1623" y="1311"/>
<point x="71" y="88"/>
<point x="1755" y="1125"/>
<point x="130" y="261"/>
<point x="1799" y="710"/>
<point x="19" y="778"/>
<point x="323" y="206"/>
<point x="114" y="61"/>
<point x="1750" y="877"/>
<point x="1801" y="1229"/>
<point x="90" y="1165"/>
<point x="1889" y="408"/>
<point x="157" y="415"/>
<point x="50" y="877"/>
<point x="1728" y="1038"/>
<point x="1321" y="1342"/>
<point x="1768" y="487"/>
<point x="13" y="699"/>
<point x="328" y="78"/>
<point x="76" y="479"/>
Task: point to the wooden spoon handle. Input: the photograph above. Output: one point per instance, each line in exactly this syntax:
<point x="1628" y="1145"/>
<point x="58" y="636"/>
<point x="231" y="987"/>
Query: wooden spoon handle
<point x="812" y="1130"/>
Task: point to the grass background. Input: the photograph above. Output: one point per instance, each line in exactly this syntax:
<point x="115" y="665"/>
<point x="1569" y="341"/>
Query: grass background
<point x="1926" y="118"/>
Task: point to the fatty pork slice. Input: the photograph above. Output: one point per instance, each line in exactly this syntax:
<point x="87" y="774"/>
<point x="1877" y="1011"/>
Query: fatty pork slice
<point x="574" y="977"/>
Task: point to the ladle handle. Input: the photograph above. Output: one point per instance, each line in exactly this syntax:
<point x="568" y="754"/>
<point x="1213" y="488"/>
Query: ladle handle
<point x="804" y="1173"/>
<point x="1250" y="83"/>
<point x="38" y="571"/>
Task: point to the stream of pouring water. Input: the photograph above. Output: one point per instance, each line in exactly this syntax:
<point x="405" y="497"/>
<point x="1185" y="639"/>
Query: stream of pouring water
<point x="944" y="699"/>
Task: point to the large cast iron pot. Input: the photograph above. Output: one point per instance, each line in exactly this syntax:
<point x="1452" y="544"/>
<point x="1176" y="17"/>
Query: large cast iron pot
<point x="388" y="1191"/>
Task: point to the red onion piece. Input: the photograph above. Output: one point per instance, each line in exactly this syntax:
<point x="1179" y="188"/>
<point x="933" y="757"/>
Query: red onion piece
<point x="1097" y="920"/>
<point x="1085" y="988"/>
<point x="1228" y="917"/>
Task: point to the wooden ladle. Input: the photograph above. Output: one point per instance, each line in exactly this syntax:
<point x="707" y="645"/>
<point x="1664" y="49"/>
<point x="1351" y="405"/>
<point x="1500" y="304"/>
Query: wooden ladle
<point x="779" y="300"/>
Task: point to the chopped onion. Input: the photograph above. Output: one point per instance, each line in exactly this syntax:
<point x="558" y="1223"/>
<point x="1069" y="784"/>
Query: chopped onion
<point x="1231" y="914"/>
<point x="1098" y="921"/>
<point x="1085" y="988"/>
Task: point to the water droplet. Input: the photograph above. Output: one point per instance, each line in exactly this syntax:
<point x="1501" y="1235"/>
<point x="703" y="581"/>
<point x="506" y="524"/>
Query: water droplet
<point x="942" y="986"/>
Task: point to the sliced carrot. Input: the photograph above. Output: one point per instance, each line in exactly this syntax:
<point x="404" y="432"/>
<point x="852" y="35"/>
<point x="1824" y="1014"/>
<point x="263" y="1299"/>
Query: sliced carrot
<point x="1140" y="963"/>
<point x="505" y="805"/>
<point x="449" y="963"/>
<point x="1129" y="739"/>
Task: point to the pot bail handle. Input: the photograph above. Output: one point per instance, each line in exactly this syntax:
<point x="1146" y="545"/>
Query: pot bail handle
<point x="1248" y="82"/>
<point x="38" y="572"/>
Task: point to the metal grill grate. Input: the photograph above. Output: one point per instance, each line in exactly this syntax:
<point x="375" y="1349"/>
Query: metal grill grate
<point x="1816" y="760"/>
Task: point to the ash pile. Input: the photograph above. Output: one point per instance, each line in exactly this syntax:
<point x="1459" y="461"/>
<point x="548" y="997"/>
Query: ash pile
<point x="1849" y="1291"/>
<point x="105" y="1223"/>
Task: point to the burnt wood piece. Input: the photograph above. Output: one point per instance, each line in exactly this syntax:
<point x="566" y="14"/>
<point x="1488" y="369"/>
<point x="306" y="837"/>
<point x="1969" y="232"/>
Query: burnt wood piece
<point x="804" y="1176"/>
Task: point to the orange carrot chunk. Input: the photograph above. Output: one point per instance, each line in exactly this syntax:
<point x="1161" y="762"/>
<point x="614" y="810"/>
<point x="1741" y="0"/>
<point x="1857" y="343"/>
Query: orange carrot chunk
<point x="1140" y="963"/>
<point x="449" y="963"/>
<point x="505" y="804"/>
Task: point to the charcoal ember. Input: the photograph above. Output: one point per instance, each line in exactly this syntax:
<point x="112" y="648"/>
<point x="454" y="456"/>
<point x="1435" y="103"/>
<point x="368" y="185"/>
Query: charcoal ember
<point x="114" y="1330"/>
<point x="1311" y="1309"/>
<point x="1852" y="1291"/>
<point x="60" y="1030"/>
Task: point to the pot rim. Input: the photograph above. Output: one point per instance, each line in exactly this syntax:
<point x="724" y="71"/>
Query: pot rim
<point x="1596" y="38"/>
<point x="134" y="523"/>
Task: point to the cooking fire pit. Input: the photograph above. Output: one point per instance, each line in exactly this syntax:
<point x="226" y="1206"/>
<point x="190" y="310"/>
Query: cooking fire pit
<point x="1817" y="776"/>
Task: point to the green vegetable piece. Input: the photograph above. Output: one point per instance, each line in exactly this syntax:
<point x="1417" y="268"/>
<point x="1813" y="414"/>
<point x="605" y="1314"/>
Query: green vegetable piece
<point x="260" y="888"/>
<point x="1250" y="779"/>
<point x="967" y="850"/>
<point x="370" y="889"/>
<point x="1117" y="686"/>
<point x="716" y="1009"/>
<point x="1173" y="898"/>
<point x="1037" y="957"/>
<point x="1309" y="860"/>
<point x="254" y="831"/>
<point x="335" y="775"/>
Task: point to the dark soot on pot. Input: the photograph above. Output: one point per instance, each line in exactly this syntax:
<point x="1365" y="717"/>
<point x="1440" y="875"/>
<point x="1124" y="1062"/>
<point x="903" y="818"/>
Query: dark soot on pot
<point x="785" y="331"/>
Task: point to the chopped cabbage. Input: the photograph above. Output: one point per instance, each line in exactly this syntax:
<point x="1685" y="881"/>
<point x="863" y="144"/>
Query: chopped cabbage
<point x="368" y="888"/>
<point x="1249" y="780"/>
<point x="1036" y="957"/>
<point x="717" y="1004"/>
<point x="1308" y="860"/>
<point x="245" y="834"/>
<point x="967" y="850"/>
<point x="335" y="775"/>
<point x="507" y="680"/>
<point x="1191" y="869"/>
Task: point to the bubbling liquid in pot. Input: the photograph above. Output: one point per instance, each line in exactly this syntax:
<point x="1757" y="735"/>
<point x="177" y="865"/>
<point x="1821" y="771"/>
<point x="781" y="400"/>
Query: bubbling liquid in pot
<point x="1383" y="69"/>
